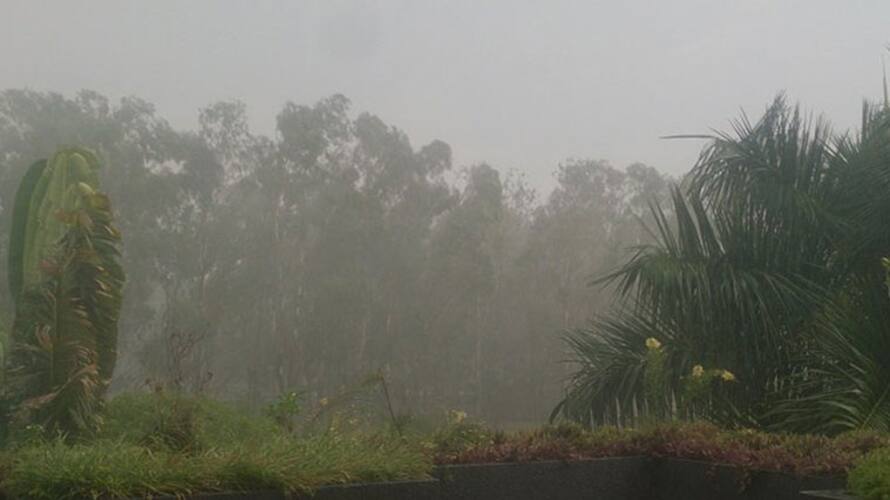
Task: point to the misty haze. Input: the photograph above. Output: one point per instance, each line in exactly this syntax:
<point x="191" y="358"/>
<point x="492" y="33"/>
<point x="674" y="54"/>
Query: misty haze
<point x="345" y="249"/>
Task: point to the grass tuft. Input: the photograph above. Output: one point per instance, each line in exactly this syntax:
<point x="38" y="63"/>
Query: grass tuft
<point x="870" y="479"/>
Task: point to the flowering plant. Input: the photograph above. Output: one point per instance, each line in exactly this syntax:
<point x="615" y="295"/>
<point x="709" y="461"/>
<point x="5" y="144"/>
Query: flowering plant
<point x="701" y="386"/>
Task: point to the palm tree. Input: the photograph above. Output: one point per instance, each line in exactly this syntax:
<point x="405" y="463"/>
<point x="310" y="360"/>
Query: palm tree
<point x="847" y="382"/>
<point x="771" y="236"/>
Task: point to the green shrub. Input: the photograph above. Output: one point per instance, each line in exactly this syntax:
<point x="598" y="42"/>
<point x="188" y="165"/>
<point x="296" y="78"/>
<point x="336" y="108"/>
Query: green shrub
<point x="460" y="434"/>
<point x="567" y="430"/>
<point x="870" y="479"/>
<point x="181" y="422"/>
<point x="285" y="410"/>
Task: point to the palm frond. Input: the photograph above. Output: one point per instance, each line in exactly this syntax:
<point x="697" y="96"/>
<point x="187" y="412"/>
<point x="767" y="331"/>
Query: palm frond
<point x="847" y="383"/>
<point x="610" y="357"/>
<point x="20" y="209"/>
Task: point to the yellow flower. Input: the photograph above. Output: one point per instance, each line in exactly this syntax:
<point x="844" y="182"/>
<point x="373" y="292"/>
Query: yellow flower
<point x="653" y="343"/>
<point x="323" y="402"/>
<point x="698" y="371"/>
<point x="727" y="376"/>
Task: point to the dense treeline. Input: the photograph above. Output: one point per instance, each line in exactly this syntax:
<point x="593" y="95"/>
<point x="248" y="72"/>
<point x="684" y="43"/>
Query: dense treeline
<point x="334" y="249"/>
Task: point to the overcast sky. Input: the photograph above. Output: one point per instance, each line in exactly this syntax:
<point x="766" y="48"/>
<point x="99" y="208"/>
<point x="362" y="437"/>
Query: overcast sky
<point x="517" y="84"/>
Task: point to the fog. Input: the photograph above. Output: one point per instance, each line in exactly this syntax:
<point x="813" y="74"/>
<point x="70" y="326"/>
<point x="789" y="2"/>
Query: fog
<point x="518" y="84"/>
<point x="314" y="193"/>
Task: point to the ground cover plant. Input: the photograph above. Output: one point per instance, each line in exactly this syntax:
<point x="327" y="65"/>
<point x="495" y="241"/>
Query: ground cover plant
<point x="799" y="454"/>
<point x="153" y="444"/>
<point x="139" y="452"/>
<point x="870" y="479"/>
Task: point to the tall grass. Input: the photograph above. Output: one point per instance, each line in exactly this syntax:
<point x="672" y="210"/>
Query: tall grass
<point x="118" y="469"/>
<point x="227" y="450"/>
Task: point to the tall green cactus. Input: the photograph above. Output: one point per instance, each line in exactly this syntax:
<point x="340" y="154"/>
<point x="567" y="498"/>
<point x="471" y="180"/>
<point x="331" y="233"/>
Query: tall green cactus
<point x="65" y="276"/>
<point x="48" y="187"/>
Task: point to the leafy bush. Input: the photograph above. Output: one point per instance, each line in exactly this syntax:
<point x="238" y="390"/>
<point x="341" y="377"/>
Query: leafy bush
<point x="161" y="417"/>
<point x="459" y="435"/>
<point x="285" y="409"/>
<point x="870" y="479"/>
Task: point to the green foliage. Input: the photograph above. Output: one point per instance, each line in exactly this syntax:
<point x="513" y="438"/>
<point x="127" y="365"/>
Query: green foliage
<point x="703" y="389"/>
<point x="160" y="419"/>
<point x="140" y="451"/>
<point x="765" y="265"/>
<point x="285" y="410"/>
<point x="847" y="384"/>
<point x="49" y="187"/>
<point x="64" y="337"/>
<point x="21" y="210"/>
<point x="870" y="479"/>
<point x="59" y="470"/>
<point x="239" y="452"/>
<point x="655" y="381"/>
<point x="176" y="425"/>
<point x="610" y="358"/>
<point x="459" y="434"/>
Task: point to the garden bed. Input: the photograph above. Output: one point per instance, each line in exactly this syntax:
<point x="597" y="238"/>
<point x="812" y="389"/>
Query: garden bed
<point x="627" y="478"/>
<point x="827" y="495"/>
<point x="135" y="455"/>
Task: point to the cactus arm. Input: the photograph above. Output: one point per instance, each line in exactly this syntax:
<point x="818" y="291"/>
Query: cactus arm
<point x="20" y="209"/>
<point x="64" y="338"/>
<point x="54" y="193"/>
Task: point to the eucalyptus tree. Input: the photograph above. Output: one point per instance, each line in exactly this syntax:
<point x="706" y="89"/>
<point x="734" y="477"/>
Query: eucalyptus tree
<point x="333" y="248"/>
<point x="462" y="281"/>
<point x="581" y="230"/>
<point x="405" y="191"/>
